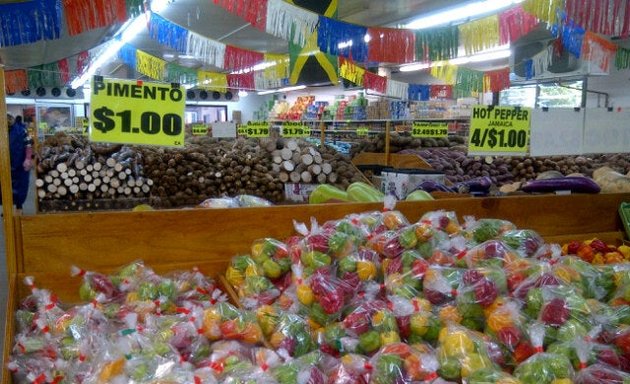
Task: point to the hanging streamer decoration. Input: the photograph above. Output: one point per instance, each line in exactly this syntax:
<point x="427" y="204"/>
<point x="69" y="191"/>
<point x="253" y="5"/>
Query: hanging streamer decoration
<point x="497" y="80"/>
<point x="572" y="36"/>
<point x="446" y="73"/>
<point x="342" y="39"/>
<point x="437" y="44"/>
<point x="86" y="15"/>
<point x="212" y="81"/>
<point x="397" y="89"/>
<point x="545" y="10"/>
<point x="168" y="33"/>
<point x="441" y="91"/>
<point x="83" y="59"/>
<point x="149" y="65"/>
<point x="351" y="72"/>
<point x="388" y="45"/>
<point x="608" y="17"/>
<point x="253" y="11"/>
<point x="419" y="92"/>
<point x="241" y="81"/>
<point x="28" y="22"/>
<point x="127" y="54"/>
<point x="45" y="75"/>
<point x="469" y="82"/>
<point x="64" y="70"/>
<point x="480" y="34"/>
<point x="515" y="23"/>
<point x="280" y="68"/>
<point x="289" y="22"/>
<point x="15" y="81"/>
<point x="176" y="73"/>
<point x="598" y="51"/>
<point x="374" y="82"/>
<point x="622" y="59"/>
<point x="209" y="51"/>
<point x="236" y="58"/>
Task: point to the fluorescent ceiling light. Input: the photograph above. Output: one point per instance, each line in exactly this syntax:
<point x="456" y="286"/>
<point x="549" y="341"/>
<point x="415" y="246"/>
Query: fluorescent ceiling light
<point x="345" y="44"/>
<point x="501" y="52"/>
<point x="461" y="13"/>
<point x="19" y="100"/>
<point x="285" y="89"/>
<point x="414" y="67"/>
<point x="159" y="5"/>
<point x="242" y="93"/>
<point x="128" y="31"/>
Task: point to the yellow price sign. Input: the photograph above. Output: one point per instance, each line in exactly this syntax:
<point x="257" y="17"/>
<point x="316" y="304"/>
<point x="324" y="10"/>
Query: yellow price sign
<point x="295" y="129"/>
<point x="135" y="112"/>
<point x="428" y="129"/>
<point x="257" y="129"/>
<point x="499" y="130"/>
<point x="199" y="129"/>
<point x="362" y="131"/>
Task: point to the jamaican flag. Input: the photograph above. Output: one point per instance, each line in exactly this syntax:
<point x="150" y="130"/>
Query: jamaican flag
<point x="309" y="65"/>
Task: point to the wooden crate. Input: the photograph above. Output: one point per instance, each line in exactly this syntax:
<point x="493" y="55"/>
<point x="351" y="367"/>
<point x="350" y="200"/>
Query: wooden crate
<point x="47" y="245"/>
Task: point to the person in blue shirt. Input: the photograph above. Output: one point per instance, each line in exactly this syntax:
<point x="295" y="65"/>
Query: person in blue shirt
<point x="20" y="147"/>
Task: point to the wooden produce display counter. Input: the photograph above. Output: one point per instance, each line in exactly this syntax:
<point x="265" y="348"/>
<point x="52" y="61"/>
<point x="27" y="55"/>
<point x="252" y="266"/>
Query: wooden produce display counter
<point x="48" y="245"/>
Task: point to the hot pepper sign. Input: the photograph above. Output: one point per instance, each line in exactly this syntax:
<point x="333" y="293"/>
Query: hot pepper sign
<point x="499" y="131"/>
<point x="135" y="112"/>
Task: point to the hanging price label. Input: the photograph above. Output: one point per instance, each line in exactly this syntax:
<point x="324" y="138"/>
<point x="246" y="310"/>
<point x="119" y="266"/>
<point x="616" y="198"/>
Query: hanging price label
<point x="362" y="131"/>
<point x="429" y="129"/>
<point x="295" y="129"/>
<point x="132" y="112"/>
<point x="257" y="129"/>
<point x="199" y="130"/>
<point x="499" y="130"/>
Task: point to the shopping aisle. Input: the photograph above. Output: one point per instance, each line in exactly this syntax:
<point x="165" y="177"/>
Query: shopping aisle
<point x="29" y="209"/>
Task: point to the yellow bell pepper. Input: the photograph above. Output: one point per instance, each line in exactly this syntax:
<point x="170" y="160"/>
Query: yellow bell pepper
<point x="366" y="270"/>
<point x="305" y="295"/>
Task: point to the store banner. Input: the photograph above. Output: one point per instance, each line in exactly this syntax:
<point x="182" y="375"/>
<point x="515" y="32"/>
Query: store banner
<point x="280" y="68"/>
<point x="15" y="81"/>
<point x="240" y="59"/>
<point x="208" y="51"/>
<point x="497" y="80"/>
<point x="397" y="89"/>
<point x="339" y="38"/>
<point x="136" y="112"/>
<point x="296" y="24"/>
<point x="212" y="81"/>
<point x="419" y="92"/>
<point x="469" y="82"/>
<point x="479" y="35"/>
<point x="437" y="44"/>
<point x="499" y="130"/>
<point x="167" y="33"/>
<point x="598" y="51"/>
<point x="447" y="73"/>
<point x="149" y="65"/>
<point x="176" y="73"/>
<point x="45" y="75"/>
<point x="622" y="59"/>
<point x="381" y="41"/>
<point x="608" y="17"/>
<point x="127" y="54"/>
<point x="241" y="81"/>
<point x="374" y="82"/>
<point x="441" y="91"/>
<point x="252" y="11"/>
<point x="86" y="15"/>
<point x="351" y="72"/>
<point x="544" y="10"/>
<point x="514" y="24"/>
<point x="27" y="22"/>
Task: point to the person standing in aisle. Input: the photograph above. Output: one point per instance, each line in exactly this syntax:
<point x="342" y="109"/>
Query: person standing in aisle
<point x="20" y="148"/>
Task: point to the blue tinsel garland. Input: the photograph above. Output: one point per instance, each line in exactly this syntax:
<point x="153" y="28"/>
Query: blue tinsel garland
<point x="168" y="33"/>
<point x="28" y="22"/>
<point x="331" y="33"/>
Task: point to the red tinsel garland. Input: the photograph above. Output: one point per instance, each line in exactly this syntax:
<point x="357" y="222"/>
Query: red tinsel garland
<point x="83" y="59"/>
<point x="241" y="81"/>
<point x="441" y="91"/>
<point x="515" y="23"/>
<point x="253" y="11"/>
<point x="374" y="82"/>
<point x="598" y="50"/>
<point x="15" y="81"/>
<point x="389" y="45"/>
<point x="238" y="58"/>
<point x="608" y="17"/>
<point x="85" y="15"/>
<point x="496" y="81"/>
<point x="64" y="71"/>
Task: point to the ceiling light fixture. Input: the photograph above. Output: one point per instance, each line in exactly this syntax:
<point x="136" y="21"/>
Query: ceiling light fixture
<point x="128" y="31"/>
<point x="461" y="13"/>
<point x="285" y="89"/>
<point x="242" y="93"/>
<point x="158" y="6"/>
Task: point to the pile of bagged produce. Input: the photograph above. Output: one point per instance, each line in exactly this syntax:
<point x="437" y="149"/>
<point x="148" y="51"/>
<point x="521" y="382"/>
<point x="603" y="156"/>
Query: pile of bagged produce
<point x="369" y="298"/>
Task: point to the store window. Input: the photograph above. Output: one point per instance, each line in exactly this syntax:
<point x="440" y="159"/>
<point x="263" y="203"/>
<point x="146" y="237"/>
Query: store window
<point x="206" y="114"/>
<point x="551" y="95"/>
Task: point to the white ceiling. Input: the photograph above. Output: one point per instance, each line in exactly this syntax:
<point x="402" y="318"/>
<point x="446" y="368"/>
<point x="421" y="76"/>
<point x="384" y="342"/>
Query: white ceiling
<point x="207" y="19"/>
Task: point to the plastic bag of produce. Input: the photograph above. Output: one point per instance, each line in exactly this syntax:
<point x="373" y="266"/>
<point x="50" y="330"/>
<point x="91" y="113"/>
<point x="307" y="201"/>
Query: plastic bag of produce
<point x="440" y="284"/>
<point x="611" y="181"/>
<point x="461" y="352"/>
<point x="372" y="325"/>
<point x="445" y="221"/>
<point x="590" y="281"/>
<point x="247" y="201"/>
<point x="225" y="321"/>
<point x="541" y="367"/>
<point x="323" y="296"/>
<point x="506" y="322"/>
<point x="305" y="369"/>
<point x="482" y="230"/>
<point x="601" y="374"/>
<point x="285" y="332"/>
<point x="479" y="289"/>
<point x="595" y="251"/>
<point x="536" y="275"/>
<point x="489" y="253"/>
<point x="524" y="241"/>
<point x="219" y="203"/>
<point x="491" y="375"/>
<point x="401" y="363"/>
<point x="403" y="275"/>
<point x="350" y="369"/>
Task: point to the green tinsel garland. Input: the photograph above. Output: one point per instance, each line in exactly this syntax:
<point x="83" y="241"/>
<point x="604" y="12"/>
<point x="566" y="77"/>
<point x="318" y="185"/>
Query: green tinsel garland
<point x="178" y="74"/>
<point x="45" y="75"/>
<point x="468" y="82"/>
<point x="437" y="44"/>
<point x="622" y="60"/>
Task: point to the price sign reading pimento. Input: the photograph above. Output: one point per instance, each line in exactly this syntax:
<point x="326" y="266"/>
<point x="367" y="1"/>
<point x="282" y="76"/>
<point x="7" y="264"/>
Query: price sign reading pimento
<point x="499" y="130"/>
<point x="136" y="112"/>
